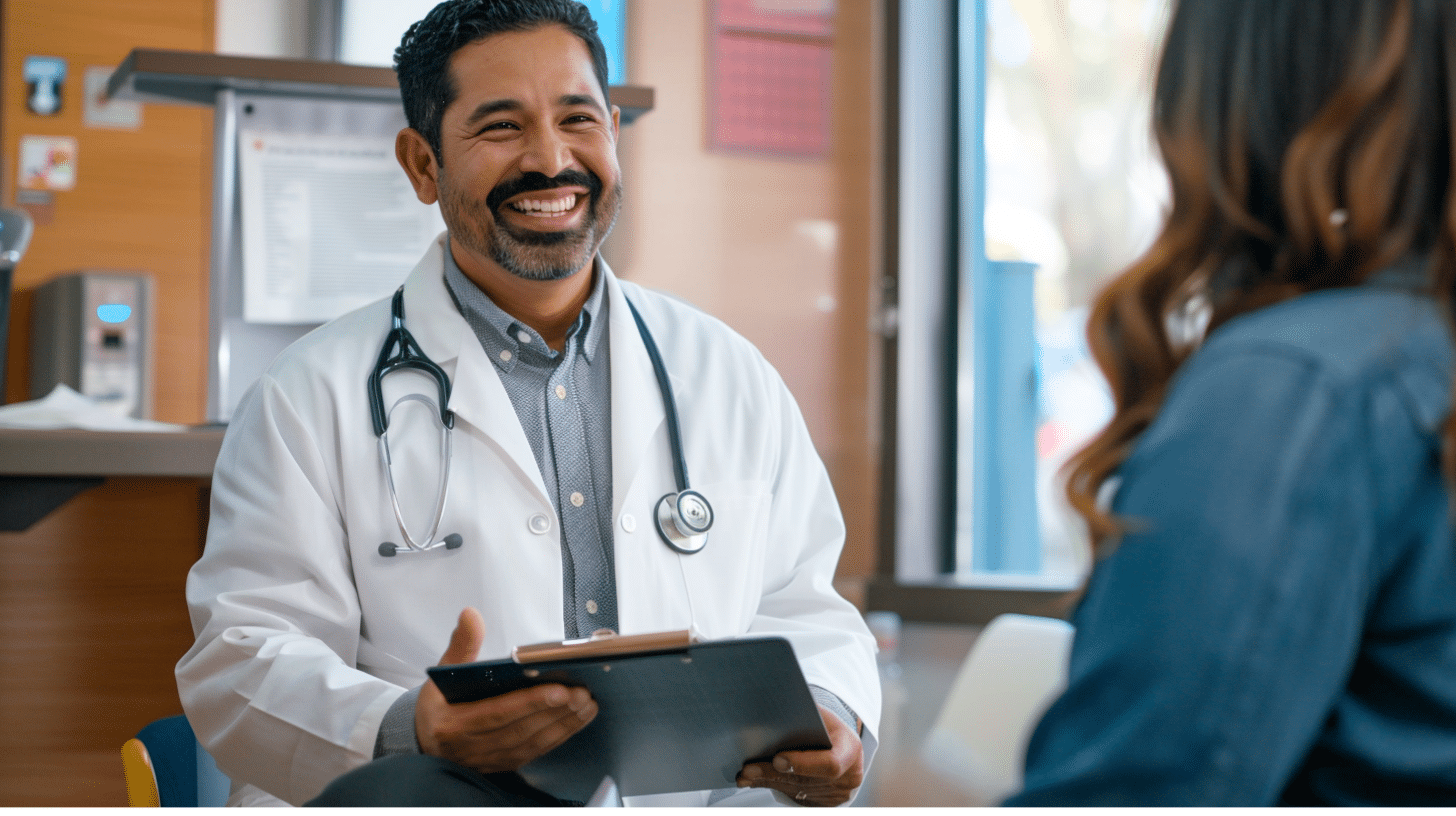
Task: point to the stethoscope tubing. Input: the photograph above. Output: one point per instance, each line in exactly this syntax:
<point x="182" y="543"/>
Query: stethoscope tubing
<point x="442" y="488"/>
<point x="669" y="402"/>
<point x="683" y="518"/>
<point x="410" y="355"/>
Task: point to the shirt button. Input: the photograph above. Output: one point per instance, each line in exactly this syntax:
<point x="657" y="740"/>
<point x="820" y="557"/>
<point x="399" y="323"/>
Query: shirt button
<point x="629" y="522"/>
<point x="539" y="524"/>
<point x="591" y="607"/>
<point x="505" y="355"/>
<point x="577" y="500"/>
<point x="524" y="337"/>
<point x="561" y="392"/>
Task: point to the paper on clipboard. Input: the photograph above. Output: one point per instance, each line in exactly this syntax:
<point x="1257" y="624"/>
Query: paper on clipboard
<point x="669" y="719"/>
<point x="602" y="644"/>
<point x="329" y="224"/>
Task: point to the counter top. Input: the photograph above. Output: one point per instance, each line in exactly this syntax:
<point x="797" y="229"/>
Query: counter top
<point x="190" y="453"/>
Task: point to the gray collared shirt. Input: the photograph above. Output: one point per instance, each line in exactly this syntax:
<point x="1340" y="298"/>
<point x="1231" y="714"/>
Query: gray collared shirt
<point x="563" y="401"/>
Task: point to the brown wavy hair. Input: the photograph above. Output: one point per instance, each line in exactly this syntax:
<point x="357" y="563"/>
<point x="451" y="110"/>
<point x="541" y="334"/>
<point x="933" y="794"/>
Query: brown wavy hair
<point x="1308" y="144"/>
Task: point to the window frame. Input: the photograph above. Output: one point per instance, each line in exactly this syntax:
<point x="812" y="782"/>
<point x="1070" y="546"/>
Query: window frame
<point x="935" y="267"/>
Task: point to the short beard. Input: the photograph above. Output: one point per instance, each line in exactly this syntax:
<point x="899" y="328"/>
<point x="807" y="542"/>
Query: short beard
<point x="529" y="254"/>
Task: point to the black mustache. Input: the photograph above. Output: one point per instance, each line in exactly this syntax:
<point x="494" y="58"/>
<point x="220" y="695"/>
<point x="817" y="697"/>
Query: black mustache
<point x="531" y="182"/>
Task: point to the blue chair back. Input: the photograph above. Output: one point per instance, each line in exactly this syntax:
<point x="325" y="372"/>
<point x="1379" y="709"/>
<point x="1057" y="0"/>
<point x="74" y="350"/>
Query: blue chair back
<point x="187" y="776"/>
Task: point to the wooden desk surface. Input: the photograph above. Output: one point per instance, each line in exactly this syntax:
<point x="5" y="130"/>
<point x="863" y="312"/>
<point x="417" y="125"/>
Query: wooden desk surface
<point x="189" y="453"/>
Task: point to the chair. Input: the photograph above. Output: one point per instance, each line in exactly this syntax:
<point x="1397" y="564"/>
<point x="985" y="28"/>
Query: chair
<point x="1015" y="669"/>
<point x="166" y="767"/>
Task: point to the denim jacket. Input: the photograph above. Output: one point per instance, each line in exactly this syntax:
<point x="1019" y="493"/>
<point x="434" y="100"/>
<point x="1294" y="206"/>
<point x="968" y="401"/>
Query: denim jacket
<point x="1280" y="625"/>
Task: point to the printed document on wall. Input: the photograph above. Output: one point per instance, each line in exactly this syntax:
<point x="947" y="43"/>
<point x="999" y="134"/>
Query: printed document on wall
<point x="330" y="223"/>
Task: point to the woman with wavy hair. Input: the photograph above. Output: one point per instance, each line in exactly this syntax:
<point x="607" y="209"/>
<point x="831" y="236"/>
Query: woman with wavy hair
<point x="1272" y="616"/>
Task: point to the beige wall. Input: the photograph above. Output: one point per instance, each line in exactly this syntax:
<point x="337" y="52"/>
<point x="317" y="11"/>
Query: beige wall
<point x="263" y="28"/>
<point x="780" y="249"/>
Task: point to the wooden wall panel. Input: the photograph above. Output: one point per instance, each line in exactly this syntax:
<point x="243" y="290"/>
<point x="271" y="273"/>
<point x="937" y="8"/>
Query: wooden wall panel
<point x="141" y="200"/>
<point x="92" y="621"/>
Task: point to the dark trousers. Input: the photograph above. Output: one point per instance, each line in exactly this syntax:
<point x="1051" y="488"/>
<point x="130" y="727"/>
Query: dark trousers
<point x="416" y="780"/>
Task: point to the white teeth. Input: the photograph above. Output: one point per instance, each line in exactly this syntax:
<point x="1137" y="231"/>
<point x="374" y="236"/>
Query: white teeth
<point x="552" y="207"/>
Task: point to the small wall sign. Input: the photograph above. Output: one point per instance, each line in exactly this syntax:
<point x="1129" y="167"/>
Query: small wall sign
<point x="43" y="78"/>
<point x="47" y="162"/>
<point x="104" y="112"/>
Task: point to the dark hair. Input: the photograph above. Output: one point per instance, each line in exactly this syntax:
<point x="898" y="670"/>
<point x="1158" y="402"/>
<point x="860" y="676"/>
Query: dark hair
<point x="1308" y="144"/>
<point x="422" y="60"/>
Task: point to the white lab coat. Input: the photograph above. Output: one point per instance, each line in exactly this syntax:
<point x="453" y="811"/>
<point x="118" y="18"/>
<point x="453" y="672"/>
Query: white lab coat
<point x="306" y="635"/>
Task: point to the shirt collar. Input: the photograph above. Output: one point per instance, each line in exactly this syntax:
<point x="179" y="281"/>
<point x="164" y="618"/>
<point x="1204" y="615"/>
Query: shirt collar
<point x="500" y="332"/>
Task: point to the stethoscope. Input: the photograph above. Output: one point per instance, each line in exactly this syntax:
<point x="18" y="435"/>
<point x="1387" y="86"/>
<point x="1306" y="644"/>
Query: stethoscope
<point x="683" y="518"/>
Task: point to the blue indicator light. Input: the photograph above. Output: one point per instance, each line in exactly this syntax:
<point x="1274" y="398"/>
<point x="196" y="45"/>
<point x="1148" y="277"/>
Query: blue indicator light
<point x="113" y="312"/>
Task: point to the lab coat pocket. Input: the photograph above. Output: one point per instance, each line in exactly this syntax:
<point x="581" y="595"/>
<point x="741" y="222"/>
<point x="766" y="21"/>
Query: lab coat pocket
<point x="725" y="579"/>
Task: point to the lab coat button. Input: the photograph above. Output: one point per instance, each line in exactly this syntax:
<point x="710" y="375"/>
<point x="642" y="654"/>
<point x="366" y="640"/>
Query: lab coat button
<point x="539" y="524"/>
<point x="629" y="522"/>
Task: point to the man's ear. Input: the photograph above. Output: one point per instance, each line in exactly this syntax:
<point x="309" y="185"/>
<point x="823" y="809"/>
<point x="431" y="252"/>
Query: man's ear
<point x="616" y="122"/>
<point x="418" y="160"/>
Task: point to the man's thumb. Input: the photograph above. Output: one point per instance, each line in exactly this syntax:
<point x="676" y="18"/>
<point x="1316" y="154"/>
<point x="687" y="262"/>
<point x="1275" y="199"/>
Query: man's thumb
<point x="466" y="639"/>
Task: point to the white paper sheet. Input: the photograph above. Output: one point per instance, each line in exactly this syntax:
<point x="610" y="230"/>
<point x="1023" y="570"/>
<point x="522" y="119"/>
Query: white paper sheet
<point x="63" y="407"/>
<point x="330" y="223"/>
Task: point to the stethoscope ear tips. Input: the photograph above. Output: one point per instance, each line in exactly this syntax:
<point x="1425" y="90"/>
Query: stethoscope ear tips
<point x="683" y="520"/>
<point x="389" y="549"/>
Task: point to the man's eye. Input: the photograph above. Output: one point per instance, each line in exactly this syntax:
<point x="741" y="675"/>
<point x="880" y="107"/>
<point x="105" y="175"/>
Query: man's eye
<point x="499" y="126"/>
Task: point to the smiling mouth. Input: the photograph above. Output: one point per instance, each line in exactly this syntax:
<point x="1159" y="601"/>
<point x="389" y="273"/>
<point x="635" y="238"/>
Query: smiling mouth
<point x="544" y="207"/>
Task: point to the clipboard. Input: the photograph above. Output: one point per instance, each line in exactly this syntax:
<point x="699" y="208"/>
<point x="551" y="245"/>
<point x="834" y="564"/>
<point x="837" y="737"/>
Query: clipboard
<point x="672" y="715"/>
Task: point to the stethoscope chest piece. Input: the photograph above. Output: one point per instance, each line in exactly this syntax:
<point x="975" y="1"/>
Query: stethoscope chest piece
<point x="683" y="520"/>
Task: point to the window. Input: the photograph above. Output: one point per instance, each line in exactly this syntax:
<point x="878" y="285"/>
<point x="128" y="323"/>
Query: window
<point x="1073" y="187"/>
<point x="1027" y="124"/>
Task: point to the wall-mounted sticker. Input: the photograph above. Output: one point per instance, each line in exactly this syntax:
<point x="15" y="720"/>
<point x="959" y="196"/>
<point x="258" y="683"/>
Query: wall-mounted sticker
<point x="43" y="78"/>
<point x="103" y="112"/>
<point x="47" y="162"/>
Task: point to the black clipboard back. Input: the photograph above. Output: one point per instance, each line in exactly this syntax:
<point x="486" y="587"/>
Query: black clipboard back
<point x="669" y="720"/>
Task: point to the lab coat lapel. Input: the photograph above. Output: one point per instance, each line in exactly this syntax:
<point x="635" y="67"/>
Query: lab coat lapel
<point x="477" y="395"/>
<point x="637" y="410"/>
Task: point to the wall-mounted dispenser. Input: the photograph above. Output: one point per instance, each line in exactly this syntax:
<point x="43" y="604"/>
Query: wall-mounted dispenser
<point x="92" y="330"/>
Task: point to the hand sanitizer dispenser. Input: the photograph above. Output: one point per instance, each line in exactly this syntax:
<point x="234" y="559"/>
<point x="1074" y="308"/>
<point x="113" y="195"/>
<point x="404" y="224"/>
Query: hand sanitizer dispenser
<point x="93" y="331"/>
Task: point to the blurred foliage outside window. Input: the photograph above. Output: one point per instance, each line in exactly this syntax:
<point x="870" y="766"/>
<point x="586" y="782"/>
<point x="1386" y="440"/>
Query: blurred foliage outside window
<point x="1074" y="185"/>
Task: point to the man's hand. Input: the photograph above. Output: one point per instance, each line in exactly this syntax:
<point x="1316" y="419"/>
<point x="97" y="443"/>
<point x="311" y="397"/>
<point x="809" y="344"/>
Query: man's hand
<point x="498" y="733"/>
<point x="821" y="778"/>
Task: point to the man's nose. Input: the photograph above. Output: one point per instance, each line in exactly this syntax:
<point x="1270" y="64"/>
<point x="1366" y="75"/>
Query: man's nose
<point x="546" y="153"/>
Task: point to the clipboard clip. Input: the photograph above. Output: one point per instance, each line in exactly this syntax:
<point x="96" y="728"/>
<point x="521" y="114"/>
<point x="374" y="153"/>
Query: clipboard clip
<point x="605" y="642"/>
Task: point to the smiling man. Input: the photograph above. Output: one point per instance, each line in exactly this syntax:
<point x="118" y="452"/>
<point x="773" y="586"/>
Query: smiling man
<point x="314" y="626"/>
